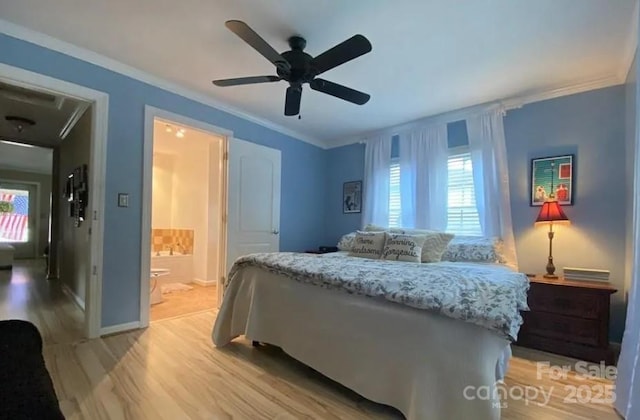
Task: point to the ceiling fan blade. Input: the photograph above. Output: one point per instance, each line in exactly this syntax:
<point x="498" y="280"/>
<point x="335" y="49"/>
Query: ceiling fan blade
<point x="340" y="91"/>
<point x="352" y="48"/>
<point x="292" y="102"/>
<point x="249" y="36"/>
<point x="246" y="80"/>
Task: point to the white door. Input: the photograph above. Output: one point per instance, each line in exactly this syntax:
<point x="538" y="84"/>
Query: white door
<point x="18" y="217"/>
<point x="253" y="220"/>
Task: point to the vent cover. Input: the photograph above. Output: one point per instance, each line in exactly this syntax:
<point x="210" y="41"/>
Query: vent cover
<point x="29" y="96"/>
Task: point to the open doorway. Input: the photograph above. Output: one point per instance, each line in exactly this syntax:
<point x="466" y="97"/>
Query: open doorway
<point x="187" y="232"/>
<point x="52" y="186"/>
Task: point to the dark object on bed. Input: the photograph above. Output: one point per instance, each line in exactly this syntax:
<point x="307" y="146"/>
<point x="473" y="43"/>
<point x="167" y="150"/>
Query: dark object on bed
<point x="26" y="390"/>
<point x="323" y="250"/>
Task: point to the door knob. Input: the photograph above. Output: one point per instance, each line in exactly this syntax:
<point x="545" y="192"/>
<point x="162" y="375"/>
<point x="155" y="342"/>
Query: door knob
<point x="275" y="231"/>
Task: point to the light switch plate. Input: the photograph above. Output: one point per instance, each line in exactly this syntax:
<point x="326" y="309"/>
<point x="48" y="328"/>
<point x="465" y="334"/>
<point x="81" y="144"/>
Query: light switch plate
<point x="123" y="200"/>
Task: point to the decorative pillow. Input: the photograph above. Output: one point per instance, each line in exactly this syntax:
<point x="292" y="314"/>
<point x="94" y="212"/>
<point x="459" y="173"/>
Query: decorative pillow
<point x="399" y="247"/>
<point x="475" y="249"/>
<point x="346" y="242"/>
<point x="435" y="243"/>
<point x="434" y="246"/>
<point x="368" y="245"/>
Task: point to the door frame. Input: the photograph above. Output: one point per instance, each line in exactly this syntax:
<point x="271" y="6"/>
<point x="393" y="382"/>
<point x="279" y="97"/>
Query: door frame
<point x="99" y="108"/>
<point x="36" y="242"/>
<point x="150" y="115"/>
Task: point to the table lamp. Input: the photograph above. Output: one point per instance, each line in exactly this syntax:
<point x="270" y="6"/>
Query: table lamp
<point x="551" y="212"/>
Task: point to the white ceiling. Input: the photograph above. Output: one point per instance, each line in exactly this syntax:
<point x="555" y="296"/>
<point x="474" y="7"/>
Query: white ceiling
<point x="28" y="159"/>
<point x="429" y="56"/>
<point x="51" y="113"/>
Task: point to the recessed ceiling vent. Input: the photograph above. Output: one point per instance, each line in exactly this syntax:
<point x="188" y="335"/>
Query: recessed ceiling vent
<point x="29" y="96"/>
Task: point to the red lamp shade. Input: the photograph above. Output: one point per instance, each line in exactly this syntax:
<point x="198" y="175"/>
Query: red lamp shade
<point x="551" y="212"/>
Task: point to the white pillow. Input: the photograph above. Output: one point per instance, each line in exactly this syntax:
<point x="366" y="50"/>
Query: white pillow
<point x="400" y="247"/>
<point x="475" y="249"/>
<point x="346" y="242"/>
<point x="368" y="245"/>
<point x="435" y="243"/>
<point x="375" y="228"/>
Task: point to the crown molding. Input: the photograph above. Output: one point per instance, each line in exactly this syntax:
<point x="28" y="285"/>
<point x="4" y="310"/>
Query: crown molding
<point x="513" y="102"/>
<point x="20" y="32"/>
<point x="630" y="45"/>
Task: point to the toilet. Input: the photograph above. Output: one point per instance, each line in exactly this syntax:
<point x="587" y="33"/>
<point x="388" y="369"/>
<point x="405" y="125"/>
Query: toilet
<point x="156" y="290"/>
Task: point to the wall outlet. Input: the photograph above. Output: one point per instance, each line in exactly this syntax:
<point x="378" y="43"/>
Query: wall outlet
<point x="123" y="200"/>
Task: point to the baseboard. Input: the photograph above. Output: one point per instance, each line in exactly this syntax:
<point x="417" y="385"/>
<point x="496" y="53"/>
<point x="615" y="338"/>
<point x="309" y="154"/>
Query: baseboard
<point x="118" y="328"/>
<point x="205" y="282"/>
<point x="76" y="299"/>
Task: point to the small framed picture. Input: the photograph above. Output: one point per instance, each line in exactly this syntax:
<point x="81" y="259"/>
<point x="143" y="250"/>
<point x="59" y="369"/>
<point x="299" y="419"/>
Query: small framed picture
<point x="552" y="175"/>
<point x="352" y="197"/>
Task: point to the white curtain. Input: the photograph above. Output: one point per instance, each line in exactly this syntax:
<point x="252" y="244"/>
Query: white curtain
<point x="491" y="178"/>
<point x="423" y="177"/>
<point x="628" y="382"/>
<point x="377" y="162"/>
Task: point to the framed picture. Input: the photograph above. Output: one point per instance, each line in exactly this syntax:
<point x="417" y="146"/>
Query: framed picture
<point x="352" y="197"/>
<point x="556" y="171"/>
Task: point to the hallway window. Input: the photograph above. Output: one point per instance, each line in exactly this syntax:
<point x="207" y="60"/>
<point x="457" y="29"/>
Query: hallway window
<point x="14" y="215"/>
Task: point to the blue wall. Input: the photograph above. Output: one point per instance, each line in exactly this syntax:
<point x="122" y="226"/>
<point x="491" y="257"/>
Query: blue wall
<point x="590" y="125"/>
<point x="631" y="93"/>
<point x="303" y="167"/>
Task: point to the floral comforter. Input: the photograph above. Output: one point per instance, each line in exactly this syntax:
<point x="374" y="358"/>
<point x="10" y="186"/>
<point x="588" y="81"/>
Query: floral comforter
<point x="487" y="295"/>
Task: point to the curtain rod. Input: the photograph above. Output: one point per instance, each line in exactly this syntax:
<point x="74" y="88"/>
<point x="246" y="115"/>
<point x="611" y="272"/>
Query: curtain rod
<point x="445" y="117"/>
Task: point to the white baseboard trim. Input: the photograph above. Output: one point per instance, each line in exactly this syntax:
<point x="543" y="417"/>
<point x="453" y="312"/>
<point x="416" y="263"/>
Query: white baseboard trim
<point x="76" y="299"/>
<point x="112" y="329"/>
<point x="205" y="282"/>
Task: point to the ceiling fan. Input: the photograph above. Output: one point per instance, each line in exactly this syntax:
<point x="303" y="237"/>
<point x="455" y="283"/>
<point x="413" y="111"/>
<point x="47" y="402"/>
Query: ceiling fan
<point x="297" y="67"/>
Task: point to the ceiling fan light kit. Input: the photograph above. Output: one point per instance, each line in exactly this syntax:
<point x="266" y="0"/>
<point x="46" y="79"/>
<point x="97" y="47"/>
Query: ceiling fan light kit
<point x="297" y="67"/>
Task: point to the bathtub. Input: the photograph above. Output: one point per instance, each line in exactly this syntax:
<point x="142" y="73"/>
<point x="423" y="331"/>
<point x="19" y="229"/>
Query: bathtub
<point x="180" y="267"/>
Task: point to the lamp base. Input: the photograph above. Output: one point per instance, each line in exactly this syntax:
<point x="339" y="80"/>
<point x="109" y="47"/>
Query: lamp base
<point x="549" y="276"/>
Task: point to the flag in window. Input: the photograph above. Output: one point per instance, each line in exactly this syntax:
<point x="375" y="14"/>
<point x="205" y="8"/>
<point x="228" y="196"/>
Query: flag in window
<point x="14" y="224"/>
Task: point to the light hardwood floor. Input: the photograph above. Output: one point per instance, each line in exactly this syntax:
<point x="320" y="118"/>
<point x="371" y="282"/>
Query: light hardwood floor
<point x="184" y="302"/>
<point x="172" y="371"/>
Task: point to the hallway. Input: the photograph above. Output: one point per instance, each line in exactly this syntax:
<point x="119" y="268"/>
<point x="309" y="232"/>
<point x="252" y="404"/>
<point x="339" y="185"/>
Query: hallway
<point x="26" y="294"/>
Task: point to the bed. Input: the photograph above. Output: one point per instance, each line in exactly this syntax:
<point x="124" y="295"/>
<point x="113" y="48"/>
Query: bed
<point x="422" y="338"/>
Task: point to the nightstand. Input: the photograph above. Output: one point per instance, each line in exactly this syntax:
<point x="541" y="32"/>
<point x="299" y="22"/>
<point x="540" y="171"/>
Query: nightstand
<point x="568" y="317"/>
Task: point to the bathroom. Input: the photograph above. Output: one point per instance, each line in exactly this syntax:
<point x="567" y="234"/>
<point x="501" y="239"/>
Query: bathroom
<point x="186" y="220"/>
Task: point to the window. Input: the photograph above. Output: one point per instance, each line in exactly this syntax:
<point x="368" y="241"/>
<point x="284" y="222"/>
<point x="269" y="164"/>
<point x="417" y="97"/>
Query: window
<point x="462" y="214"/>
<point x="394" y="194"/>
<point x="14" y="215"/>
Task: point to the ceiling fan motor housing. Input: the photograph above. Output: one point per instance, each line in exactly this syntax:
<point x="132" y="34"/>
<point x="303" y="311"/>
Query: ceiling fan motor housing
<point x="301" y="70"/>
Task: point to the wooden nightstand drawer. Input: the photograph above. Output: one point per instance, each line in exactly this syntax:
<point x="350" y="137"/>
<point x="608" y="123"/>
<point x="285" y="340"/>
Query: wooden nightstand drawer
<point x="564" y="301"/>
<point x="568" y="317"/>
<point x="560" y="327"/>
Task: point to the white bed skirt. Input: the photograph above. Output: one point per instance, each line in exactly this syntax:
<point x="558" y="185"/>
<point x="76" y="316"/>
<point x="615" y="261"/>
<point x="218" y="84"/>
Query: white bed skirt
<point x="418" y="362"/>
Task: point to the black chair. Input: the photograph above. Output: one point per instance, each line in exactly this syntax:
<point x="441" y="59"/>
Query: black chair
<point x="26" y="389"/>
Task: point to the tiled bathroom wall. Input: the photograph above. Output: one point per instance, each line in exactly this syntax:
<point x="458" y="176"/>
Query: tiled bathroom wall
<point x="180" y="239"/>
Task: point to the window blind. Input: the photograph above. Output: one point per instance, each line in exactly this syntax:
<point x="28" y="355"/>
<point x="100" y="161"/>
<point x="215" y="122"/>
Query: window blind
<point x="462" y="213"/>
